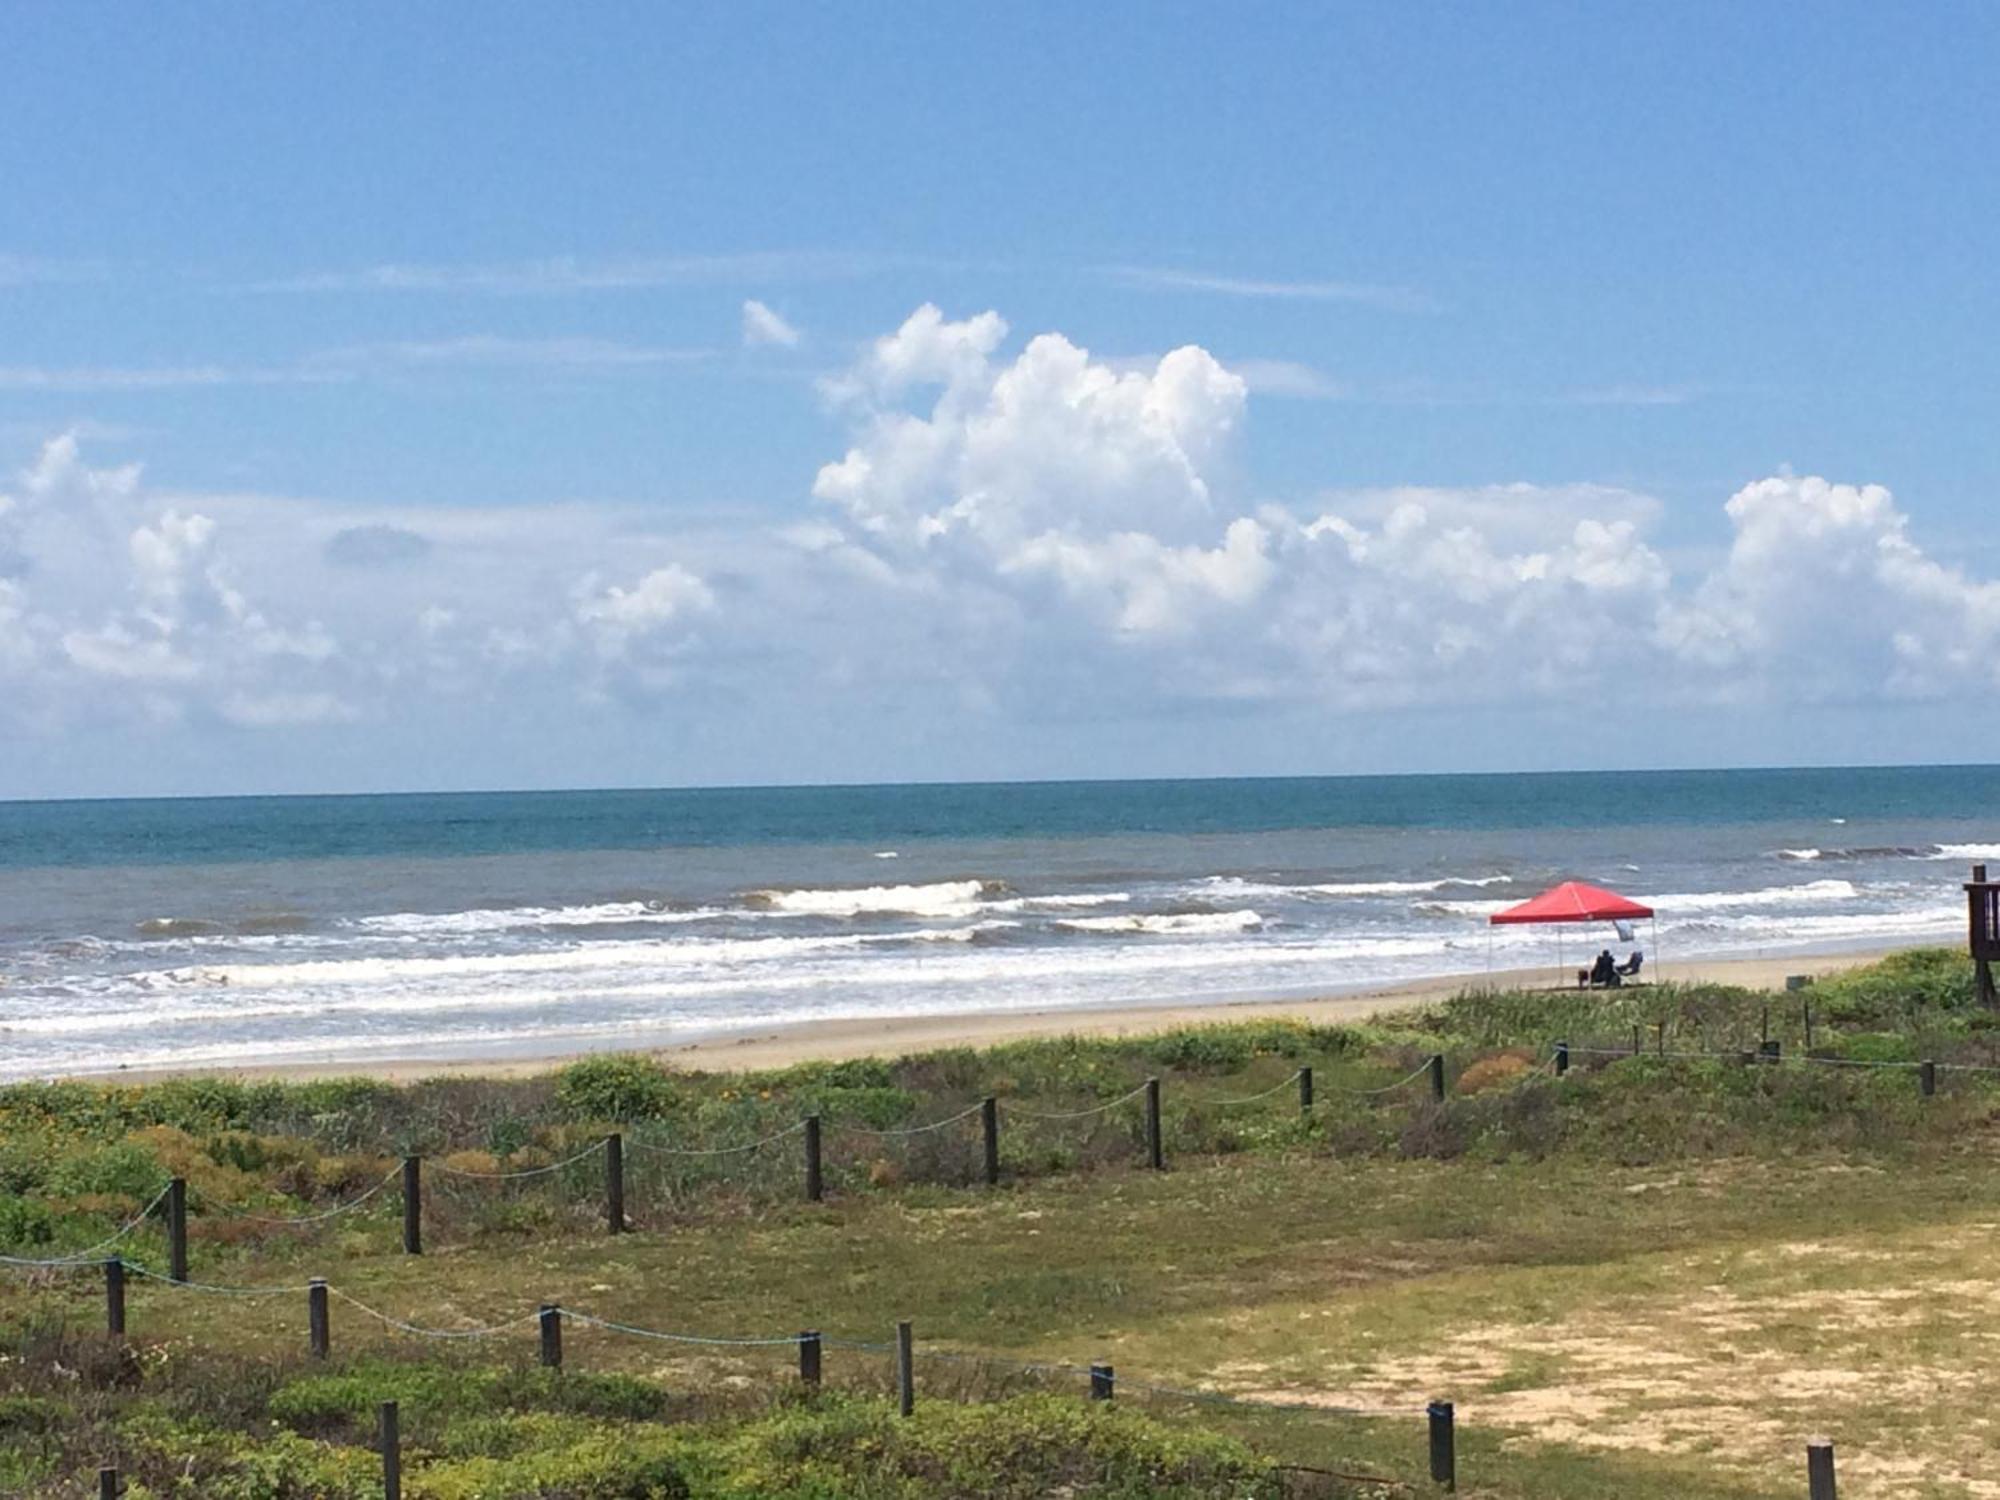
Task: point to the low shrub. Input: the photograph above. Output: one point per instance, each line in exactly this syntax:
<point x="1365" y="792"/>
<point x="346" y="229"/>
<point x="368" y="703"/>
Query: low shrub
<point x="618" y="1087"/>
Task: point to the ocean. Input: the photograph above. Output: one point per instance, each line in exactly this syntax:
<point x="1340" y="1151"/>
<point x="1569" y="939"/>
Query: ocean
<point x="276" y="930"/>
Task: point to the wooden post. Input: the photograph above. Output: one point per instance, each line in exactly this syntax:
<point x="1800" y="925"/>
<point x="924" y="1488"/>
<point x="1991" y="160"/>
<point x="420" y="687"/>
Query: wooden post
<point x="815" y="1183"/>
<point x="1927" y="1078"/>
<point x="177" y="1229"/>
<point x="318" y="1331"/>
<point x="1305" y="1091"/>
<point x="107" y="1484"/>
<point x="1101" y="1378"/>
<point x="114" y="1296"/>
<point x="1436" y="1066"/>
<point x="1983" y="912"/>
<point x="1635" y="1038"/>
<point x="551" y="1335"/>
<point x="809" y="1355"/>
<point x="1156" y="1155"/>
<point x="389" y="1431"/>
<point x="989" y="1131"/>
<point x="614" y="1182"/>
<point x="1819" y="1470"/>
<point x="413" y="1205"/>
<point x="906" y="1375"/>
<point x="1444" y="1450"/>
<point x="1562" y="1058"/>
<point x="1772" y="1051"/>
<point x="1808" y="1015"/>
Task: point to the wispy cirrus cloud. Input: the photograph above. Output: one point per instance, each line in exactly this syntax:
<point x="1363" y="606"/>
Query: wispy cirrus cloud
<point x="1632" y="395"/>
<point x="493" y="350"/>
<point x="360" y="362"/>
<point x="89" y="378"/>
<point x="764" y="328"/>
<point x="1368" y="294"/>
<point x="570" y="274"/>
<point x="34" y="270"/>
<point x="1291" y="378"/>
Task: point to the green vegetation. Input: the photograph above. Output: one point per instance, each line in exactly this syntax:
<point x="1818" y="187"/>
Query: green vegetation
<point x="1649" y="1278"/>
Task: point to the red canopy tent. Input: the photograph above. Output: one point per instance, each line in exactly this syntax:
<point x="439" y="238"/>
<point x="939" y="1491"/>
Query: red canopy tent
<point x="1572" y="901"/>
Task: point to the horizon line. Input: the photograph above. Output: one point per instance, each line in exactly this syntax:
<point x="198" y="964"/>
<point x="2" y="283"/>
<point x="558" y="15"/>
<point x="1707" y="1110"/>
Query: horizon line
<point x="1026" y="781"/>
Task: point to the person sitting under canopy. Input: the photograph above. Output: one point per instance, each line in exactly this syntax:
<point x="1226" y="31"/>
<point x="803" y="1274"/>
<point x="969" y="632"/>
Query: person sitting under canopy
<point x="1576" y="901"/>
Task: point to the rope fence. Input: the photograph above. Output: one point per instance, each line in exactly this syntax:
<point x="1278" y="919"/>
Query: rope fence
<point x="171" y="1203"/>
<point x="605" y="1158"/>
<point x="1101" y="1381"/>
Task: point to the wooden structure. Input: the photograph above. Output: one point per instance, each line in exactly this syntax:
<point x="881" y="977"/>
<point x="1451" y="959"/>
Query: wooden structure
<point x="1982" y="899"/>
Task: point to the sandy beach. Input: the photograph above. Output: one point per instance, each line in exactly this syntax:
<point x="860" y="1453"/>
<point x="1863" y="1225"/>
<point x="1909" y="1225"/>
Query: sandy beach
<point x="776" y="1047"/>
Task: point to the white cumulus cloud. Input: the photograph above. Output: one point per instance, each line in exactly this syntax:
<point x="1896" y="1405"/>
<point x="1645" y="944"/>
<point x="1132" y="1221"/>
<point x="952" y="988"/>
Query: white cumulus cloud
<point x="664" y="597"/>
<point x="1824" y="594"/>
<point x="1012" y="533"/>
<point x="1092" y="507"/>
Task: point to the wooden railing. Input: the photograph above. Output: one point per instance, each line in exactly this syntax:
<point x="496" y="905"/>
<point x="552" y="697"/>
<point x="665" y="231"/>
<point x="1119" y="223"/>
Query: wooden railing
<point x="1983" y="901"/>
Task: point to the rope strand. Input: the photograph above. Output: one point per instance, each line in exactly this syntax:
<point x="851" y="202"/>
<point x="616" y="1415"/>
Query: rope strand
<point x="418" y="1331"/>
<point x="567" y="1161"/>
<point x="1076" y="1114"/>
<point x="639" y="1144"/>
<point x="84" y="1257"/>
<point x="222" y="1212"/>
<point x="1280" y="1085"/>
<point x="963" y="1114"/>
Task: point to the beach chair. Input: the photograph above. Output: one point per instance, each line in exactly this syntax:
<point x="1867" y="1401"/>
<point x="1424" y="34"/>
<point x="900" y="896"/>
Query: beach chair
<point x="1630" y="968"/>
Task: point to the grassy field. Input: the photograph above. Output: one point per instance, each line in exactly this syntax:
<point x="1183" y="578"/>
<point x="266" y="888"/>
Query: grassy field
<point x="1654" y="1277"/>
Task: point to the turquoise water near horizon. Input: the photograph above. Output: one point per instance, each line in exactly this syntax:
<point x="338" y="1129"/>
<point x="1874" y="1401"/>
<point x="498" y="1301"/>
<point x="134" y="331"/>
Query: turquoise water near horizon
<point x="341" y="928"/>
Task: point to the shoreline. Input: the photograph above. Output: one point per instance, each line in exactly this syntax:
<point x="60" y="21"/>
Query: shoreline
<point x="778" y="1046"/>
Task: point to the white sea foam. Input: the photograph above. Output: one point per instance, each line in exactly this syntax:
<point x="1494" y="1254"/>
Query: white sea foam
<point x="374" y="969"/>
<point x="945" y="898"/>
<point x="1169" y="924"/>
<point x="1838" y="926"/>
<point x="1232" y="885"/>
<point x="513" y="918"/>
<point x="1461" y="909"/>
<point x="1799" y="854"/>
<point x="1812" y="893"/>
<point x="1682" y="903"/>
<point x="1072" y="902"/>
<point x="346" y="1004"/>
<point x="1967" y="851"/>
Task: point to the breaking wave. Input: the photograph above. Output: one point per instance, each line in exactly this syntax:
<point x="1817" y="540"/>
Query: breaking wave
<point x="1897" y="851"/>
<point x="1232" y="885"/>
<point x="256" y="924"/>
<point x="512" y="918"/>
<point x="1811" y="893"/>
<point x="945" y="898"/>
<point x="1169" y="924"/>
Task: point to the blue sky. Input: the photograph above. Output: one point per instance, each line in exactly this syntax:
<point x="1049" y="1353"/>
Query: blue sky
<point x="467" y="287"/>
